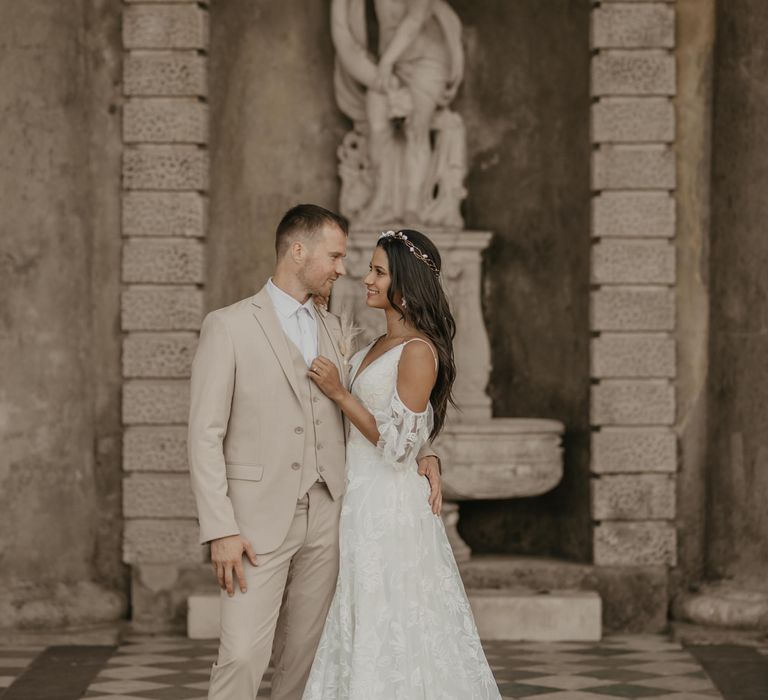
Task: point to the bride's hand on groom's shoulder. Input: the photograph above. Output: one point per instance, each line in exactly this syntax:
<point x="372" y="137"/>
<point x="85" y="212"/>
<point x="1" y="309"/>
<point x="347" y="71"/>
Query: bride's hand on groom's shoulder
<point x="325" y="375"/>
<point x="227" y="558"/>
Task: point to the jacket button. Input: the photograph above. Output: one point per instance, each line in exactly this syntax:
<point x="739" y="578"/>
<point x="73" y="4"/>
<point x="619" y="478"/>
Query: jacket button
<point x="321" y="469"/>
<point x="295" y="466"/>
<point x="298" y="430"/>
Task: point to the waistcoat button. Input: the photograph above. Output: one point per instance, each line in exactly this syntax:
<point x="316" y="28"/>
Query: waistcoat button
<point x="315" y="399"/>
<point x="295" y="466"/>
<point x="318" y="421"/>
<point x="298" y="430"/>
<point x="319" y="445"/>
<point x="321" y="469"/>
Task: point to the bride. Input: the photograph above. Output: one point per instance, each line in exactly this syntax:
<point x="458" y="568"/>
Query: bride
<point x="400" y="626"/>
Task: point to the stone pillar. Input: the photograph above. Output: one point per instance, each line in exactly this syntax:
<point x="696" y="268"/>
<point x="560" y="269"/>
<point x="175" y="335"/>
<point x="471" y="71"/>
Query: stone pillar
<point x="165" y="178"/>
<point x="633" y="364"/>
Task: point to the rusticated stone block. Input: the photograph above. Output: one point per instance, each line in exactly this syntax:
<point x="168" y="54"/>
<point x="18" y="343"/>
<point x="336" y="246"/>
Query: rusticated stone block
<point x="165" y="120"/>
<point x="147" y="308"/>
<point x="633" y="309"/>
<point x="638" y="402"/>
<point x="633" y="120"/>
<point x="633" y="497"/>
<point x="158" y="354"/>
<point x="164" y="214"/>
<point x="158" y="496"/>
<point x="633" y="214"/>
<point x="638" y="167"/>
<point x="169" y="260"/>
<point x="624" y="261"/>
<point x="155" y="448"/>
<point x="633" y="355"/>
<point x="179" y="26"/>
<point x="165" y="168"/>
<point x="633" y="450"/>
<point x="155" y="401"/>
<point x="636" y="72"/>
<point x="634" y="544"/>
<point x="166" y="73"/>
<point x="162" y="542"/>
<point x="633" y="26"/>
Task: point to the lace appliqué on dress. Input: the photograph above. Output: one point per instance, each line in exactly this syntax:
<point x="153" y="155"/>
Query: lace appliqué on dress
<point x="402" y="432"/>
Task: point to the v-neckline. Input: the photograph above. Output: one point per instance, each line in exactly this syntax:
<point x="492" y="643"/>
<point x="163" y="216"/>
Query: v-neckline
<point x="363" y="370"/>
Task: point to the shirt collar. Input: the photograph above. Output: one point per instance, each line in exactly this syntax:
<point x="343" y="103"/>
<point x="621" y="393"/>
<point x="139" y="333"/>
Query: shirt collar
<point x="285" y="304"/>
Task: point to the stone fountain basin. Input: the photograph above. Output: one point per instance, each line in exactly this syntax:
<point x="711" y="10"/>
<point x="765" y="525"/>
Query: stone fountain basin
<point x="501" y="458"/>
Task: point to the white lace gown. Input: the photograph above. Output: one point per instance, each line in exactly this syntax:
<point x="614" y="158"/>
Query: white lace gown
<point x="400" y="626"/>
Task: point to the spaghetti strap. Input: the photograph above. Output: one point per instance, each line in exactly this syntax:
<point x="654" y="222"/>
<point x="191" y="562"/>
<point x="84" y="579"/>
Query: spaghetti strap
<point x="429" y="345"/>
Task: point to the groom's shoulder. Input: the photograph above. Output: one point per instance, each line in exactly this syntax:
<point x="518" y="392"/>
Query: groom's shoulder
<point x="233" y="312"/>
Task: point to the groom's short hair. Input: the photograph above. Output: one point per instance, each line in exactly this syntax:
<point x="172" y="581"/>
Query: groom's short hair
<point x="302" y="221"/>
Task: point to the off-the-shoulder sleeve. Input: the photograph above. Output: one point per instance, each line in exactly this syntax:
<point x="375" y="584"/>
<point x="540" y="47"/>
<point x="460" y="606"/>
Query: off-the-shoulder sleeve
<point x="402" y="432"/>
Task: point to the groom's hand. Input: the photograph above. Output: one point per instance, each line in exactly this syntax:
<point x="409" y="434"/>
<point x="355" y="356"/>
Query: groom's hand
<point x="430" y="467"/>
<point x="226" y="556"/>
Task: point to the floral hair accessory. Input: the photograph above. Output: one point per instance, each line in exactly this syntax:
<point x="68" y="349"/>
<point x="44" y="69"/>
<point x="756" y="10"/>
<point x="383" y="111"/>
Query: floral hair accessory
<point x="420" y="255"/>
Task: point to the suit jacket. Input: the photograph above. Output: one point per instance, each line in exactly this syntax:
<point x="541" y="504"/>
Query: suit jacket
<point x="249" y="420"/>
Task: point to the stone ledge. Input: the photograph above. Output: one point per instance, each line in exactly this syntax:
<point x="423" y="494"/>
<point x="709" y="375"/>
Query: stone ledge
<point x="148" y="308"/>
<point x="156" y="402"/>
<point x="635" y="543"/>
<point x="633" y="402"/>
<point x="165" y="120"/>
<point x="633" y="26"/>
<point x="617" y="450"/>
<point x="633" y="497"/>
<point x="635" y="72"/>
<point x="166" y="73"/>
<point x="164" y="214"/>
<point x="163" y="260"/>
<point x="162" y="542"/>
<point x="181" y="26"/>
<point x="155" y="449"/>
<point x="165" y="168"/>
<point x="633" y="120"/>
<point x="633" y="215"/>
<point x="625" y="261"/>
<point x="158" y="354"/>
<point x="633" y="355"/>
<point x="633" y="167"/>
<point x="158" y="496"/>
<point x="633" y="309"/>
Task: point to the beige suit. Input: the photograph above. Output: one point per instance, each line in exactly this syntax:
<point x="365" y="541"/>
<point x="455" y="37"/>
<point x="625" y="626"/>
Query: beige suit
<point x="267" y="460"/>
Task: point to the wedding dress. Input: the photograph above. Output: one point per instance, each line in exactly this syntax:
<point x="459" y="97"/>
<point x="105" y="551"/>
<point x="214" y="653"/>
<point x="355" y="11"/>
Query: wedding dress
<point x="400" y="626"/>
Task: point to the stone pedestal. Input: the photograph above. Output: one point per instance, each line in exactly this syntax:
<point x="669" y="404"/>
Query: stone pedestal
<point x="483" y="457"/>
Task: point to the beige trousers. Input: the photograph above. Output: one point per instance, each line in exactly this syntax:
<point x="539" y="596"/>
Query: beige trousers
<point x="284" y="609"/>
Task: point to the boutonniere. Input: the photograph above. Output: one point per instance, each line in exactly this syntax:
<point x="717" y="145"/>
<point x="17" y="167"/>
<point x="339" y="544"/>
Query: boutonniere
<point x="349" y="331"/>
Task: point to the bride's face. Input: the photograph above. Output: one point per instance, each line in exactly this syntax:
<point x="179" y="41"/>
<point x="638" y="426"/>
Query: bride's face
<point x="377" y="280"/>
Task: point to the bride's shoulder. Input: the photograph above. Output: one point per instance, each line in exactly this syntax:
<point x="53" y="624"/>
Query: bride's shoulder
<point x="419" y="351"/>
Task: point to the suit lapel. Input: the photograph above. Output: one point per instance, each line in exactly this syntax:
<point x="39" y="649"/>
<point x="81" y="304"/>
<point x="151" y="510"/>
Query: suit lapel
<point x="334" y="343"/>
<point x="265" y="314"/>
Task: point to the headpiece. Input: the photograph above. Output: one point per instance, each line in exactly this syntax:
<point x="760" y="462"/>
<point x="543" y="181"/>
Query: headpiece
<point x="420" y="255"/>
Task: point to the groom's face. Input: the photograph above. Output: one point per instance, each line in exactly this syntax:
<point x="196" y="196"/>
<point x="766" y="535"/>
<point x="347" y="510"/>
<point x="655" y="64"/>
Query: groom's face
<point x="324" y="262"/>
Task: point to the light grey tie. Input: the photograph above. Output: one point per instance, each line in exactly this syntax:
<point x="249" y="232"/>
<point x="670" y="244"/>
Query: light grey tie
<point x="307" y="346"/>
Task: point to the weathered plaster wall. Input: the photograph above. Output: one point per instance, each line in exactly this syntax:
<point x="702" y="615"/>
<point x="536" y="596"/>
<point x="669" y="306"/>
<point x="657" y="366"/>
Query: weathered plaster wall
<point x="525" y="100"/>
<point x="737" y="459"/>
<point x="274" y="133"/>
<point x="60" y="529"/>
<point x="693" y="111"/>
<point x="526" y="104"/>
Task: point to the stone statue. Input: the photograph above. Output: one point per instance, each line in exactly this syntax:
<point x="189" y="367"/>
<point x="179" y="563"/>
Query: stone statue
<point x="399" y="64"/>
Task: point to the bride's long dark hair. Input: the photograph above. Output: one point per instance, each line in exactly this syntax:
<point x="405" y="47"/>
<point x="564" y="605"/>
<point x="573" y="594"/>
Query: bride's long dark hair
<point x="426" y="309"/>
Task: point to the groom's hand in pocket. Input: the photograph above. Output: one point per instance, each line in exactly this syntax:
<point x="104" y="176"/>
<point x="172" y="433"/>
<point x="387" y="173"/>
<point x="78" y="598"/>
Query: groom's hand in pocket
<point x="227" y="557"/>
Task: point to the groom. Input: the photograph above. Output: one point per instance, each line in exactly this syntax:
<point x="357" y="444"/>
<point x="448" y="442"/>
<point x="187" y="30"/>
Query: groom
<point x="267" y="458"/>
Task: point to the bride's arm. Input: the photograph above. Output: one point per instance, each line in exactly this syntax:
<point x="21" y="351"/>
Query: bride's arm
<point x="415" y="379"/>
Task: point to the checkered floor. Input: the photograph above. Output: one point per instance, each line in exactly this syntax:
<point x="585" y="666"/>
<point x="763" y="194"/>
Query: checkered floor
<point x="171" y="668"/>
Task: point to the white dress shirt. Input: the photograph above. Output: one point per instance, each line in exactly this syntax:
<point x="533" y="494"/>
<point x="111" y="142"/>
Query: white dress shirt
<point x="298" y="320"/>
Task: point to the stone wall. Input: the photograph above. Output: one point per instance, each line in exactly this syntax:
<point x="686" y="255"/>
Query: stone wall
<point x="737" y="455"/>
<point x="60" y="512"/>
